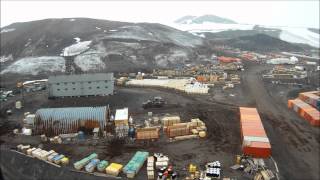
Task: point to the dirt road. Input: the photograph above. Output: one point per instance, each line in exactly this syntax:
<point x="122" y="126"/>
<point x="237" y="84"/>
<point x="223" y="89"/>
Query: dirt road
<point x="295" y="144"/>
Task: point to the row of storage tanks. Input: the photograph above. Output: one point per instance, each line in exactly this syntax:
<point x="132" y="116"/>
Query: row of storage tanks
<point x="50" y="156"/>
<point x="91" y="163"/>
<point x="307" y="105"/>
<point x="254" y="138"/>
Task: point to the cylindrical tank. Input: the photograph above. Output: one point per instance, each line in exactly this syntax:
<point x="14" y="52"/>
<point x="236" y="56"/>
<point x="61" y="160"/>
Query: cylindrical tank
<point x="92" y="165"/>
<point x="132" y="132"/>
<point x="18" y="105"/>
<point x="81" y="135"/>
<point x="202" y="134"/>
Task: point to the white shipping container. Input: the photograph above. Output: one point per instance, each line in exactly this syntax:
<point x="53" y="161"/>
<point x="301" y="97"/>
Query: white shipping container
<point x="35" y="152"/>
<point x="29" y="151"/>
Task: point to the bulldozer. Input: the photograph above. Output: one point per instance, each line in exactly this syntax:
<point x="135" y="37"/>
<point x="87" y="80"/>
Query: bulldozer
<point x="155" y="102"/>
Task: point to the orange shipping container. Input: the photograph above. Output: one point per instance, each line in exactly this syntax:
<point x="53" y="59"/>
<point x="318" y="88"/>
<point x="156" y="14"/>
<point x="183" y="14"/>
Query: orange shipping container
<point x="305" y="111"/>
<point x="254" y="139"/>
<point x="311" y="98"/>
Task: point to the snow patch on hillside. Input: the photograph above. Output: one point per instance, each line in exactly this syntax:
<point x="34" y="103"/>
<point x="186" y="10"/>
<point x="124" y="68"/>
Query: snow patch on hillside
<point x="76" y="49"/>
<point x="300" y="35"/>
<point x="77" y="39"/>
<point x="35" y="65"/>
<point x="89" y="62"/>
<point x="7" y="30"/>
<point x="6" y="58"/>
<point x="175" y="57"/>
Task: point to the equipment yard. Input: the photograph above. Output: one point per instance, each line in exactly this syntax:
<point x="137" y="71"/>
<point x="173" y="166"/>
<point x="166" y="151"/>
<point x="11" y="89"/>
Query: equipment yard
<point x="294" y="143"/>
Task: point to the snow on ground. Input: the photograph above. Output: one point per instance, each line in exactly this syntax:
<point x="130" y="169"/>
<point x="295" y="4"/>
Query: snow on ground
<point x="6" y="58"/>
<point x="289" y="34"/>
<point x="175" y="56"/>
<point x="77" y="39"/>
<point x="7" y="30"/>
<point x="300" y="35"/>
<point x="72" y="20"/>
<point x="113" y="30"/>
<point x="98" y="28"/>
<point x="76" y="49"/>
<point x="89" y="62"/>
<point x="35" y="65"/>
<point x="211" y="27"/>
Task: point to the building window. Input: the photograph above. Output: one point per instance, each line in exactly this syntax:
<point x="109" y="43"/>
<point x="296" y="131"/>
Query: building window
<point x="65" y="83"/>
<point x="73" y="83"/>
<point x="89" y="87"/>
<point x="58" y="84"/>
<point x="66" y="89"/>
<point x="58" y="89"/>
<point x="89" y="82"/>
<point x="74" y="88"/>
<point x="106" y="81"/>
<point x="98" y="87"/>
<point x="106" y="87"/>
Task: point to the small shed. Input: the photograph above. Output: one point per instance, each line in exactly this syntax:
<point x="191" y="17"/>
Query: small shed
<point x="121" y="117"/>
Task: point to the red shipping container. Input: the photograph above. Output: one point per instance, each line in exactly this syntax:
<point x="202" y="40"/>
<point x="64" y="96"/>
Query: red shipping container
<point x="254" y="138"/>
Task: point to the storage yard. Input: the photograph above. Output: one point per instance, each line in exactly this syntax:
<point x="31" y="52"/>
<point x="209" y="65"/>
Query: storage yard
<point x="193" y="134"/>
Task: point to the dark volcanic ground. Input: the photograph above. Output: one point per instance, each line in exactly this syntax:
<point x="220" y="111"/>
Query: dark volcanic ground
<point x="295" y="144"/>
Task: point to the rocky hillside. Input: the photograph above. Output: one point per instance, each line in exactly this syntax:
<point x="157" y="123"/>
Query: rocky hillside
<point x="35" y="47"/>
<point x="262" y="43"/>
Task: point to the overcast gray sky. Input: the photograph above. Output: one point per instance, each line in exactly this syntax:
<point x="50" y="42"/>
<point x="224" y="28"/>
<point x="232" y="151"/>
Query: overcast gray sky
<point x="278" y="13"/>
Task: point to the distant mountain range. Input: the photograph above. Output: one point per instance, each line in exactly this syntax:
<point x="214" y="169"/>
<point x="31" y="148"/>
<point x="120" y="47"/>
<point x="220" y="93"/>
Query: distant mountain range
<point x="204" y="19"/>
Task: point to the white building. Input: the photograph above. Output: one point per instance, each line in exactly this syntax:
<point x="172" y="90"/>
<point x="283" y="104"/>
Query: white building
<point x="291" y="60"/>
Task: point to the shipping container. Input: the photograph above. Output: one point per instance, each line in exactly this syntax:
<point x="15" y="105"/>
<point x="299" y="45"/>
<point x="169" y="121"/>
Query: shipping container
<point x="102" y="165"/>
<point x="254" y="139"/>
<point x="90" y="167"/>
<point x="170" y="120"/>
<point x="312" y="98"/>
<point x="180" y="129"/>
<point x="147" y="133"/>
<point x="80" y="164"/>
<point x="305" y="111"/>
<point x="135" y="164"/>
<point x="114" y="169"/>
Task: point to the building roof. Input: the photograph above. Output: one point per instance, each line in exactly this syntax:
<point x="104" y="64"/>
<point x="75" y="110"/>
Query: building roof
<point x="71" y="114"/>
<point x="121" y="114"/>
<point x="80" y="77"/>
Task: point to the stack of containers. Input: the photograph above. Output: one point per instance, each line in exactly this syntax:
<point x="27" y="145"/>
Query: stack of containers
<point x="255" y="141"/>
<point x="150" y="167"/>
<point x="50" y="158"/>
<point x="311" y="98"/>
<point x="80" y="164"/>
<point x="121" y="122"/>
<point x="92" y="165"/>
<point x="147" y="133"/>
<point x="57" y="159"/>
<point x="135" y="164"/>
<point x="180" y="129"/>
<point x="169" y="121"/>
<point x="306" y="111"/>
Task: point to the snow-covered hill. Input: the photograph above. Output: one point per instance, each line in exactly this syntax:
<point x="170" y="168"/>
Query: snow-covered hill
<point x="290" y="34"/>
<point x="99" y="45"/>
